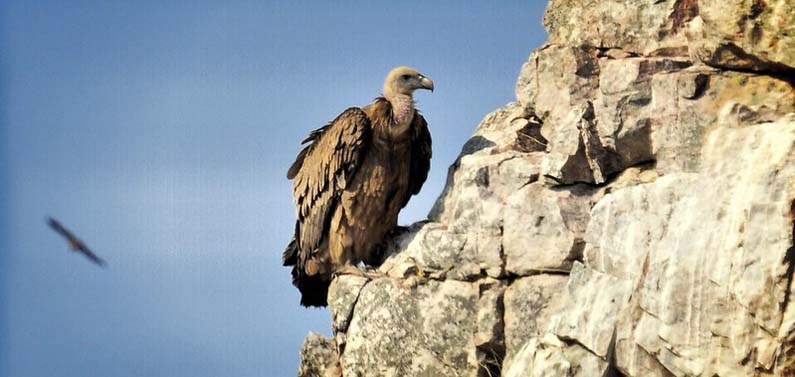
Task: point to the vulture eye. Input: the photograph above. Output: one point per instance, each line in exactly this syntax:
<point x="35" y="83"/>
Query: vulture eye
<point x="405" y="77"/>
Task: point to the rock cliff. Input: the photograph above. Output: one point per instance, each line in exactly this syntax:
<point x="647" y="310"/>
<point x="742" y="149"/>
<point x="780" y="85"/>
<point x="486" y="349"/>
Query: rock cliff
<point x="630" y="215"/>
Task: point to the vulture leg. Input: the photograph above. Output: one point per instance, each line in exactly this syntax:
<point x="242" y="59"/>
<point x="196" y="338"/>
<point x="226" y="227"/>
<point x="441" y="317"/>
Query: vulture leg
<point x="341" y="243"/>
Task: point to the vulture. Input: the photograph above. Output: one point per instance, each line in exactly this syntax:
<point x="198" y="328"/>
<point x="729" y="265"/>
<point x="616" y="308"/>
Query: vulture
<point x="351" y="180"/>
<point x="75" y="244"/>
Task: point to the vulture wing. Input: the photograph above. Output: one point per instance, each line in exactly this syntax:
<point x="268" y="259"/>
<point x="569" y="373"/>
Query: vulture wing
<point x="320" y="173"/>
<point x="420" y="155"/>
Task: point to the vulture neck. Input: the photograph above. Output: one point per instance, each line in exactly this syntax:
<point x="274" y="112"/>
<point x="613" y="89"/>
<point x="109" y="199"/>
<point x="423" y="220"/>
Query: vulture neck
<point x="402" y="112"/>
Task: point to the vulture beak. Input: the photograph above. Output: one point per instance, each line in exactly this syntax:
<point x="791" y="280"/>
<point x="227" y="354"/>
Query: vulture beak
<point x="426" y="83"/>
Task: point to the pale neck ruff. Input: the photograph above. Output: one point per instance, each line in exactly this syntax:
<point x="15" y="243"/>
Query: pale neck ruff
<point x="402" y="109"/>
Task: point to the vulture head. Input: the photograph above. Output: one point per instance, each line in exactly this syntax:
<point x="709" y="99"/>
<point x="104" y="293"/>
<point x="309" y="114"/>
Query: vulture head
<point x="404" y="81"/>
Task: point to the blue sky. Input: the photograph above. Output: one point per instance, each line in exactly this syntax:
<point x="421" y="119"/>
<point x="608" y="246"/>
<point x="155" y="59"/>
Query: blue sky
<point x="161" y="134"/>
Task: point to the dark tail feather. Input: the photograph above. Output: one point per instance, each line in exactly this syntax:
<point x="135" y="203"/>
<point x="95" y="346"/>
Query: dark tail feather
<point x="314" y="288"/>
<point x="290" y="254"/>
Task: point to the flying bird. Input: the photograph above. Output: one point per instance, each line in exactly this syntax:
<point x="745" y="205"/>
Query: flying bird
<point x="350" y="182"/>
<point x="75" y="244"/>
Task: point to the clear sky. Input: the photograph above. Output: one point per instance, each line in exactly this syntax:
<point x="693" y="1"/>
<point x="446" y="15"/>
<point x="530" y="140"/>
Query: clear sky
<point x="161" y="132"/>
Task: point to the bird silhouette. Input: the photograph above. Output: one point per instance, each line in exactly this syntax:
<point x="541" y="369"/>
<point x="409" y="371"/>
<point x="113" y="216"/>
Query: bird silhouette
<point x="75" y="244"/>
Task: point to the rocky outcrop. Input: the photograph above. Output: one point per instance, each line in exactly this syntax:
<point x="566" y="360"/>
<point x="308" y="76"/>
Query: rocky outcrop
<point x="631" y="214"/>
<point x="319" y="357"/>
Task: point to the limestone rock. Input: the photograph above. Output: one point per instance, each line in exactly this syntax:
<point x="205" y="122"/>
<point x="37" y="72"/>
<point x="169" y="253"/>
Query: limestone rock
<point x="343" y="295"/>
<point x="635" y="110"/>
<point x="424" y="330"/>
<point x="544" y="229"/>
<point x="604" y="296"/>
<point x="754" y="35"/>
<point x="319" y="357"/>
<point x="436" y="252"/>
<point x="738" y="34"/>
<point x="530" y="304"/>
<point x="493" y="164"/>
<point x="710" y="275"/>
<point x="549" y="356"/>
<point x="645" y="27"/>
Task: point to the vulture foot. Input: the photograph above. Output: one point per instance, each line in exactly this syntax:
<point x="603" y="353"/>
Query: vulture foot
<point x="366" y="272"/>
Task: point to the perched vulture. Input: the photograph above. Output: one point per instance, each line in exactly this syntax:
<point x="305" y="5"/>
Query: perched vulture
<point x="351" y="181"/>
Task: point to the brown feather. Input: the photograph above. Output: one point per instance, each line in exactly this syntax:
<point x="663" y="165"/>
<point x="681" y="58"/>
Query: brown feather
<point x="320" y="173"/>
<point x="421" y="154"/>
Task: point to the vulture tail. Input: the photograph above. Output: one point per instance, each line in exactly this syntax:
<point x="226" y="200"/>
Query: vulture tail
<point x="290" y="254"/>
<point x="313" y="288"/>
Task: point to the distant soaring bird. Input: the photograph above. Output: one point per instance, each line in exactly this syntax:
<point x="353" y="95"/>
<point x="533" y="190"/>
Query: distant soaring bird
<point x="75" y="244"/>
<point x="351" y="181"/>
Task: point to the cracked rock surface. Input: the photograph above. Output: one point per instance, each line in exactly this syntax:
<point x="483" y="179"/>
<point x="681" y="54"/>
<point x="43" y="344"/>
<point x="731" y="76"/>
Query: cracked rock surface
<point x="631" y="214"/>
